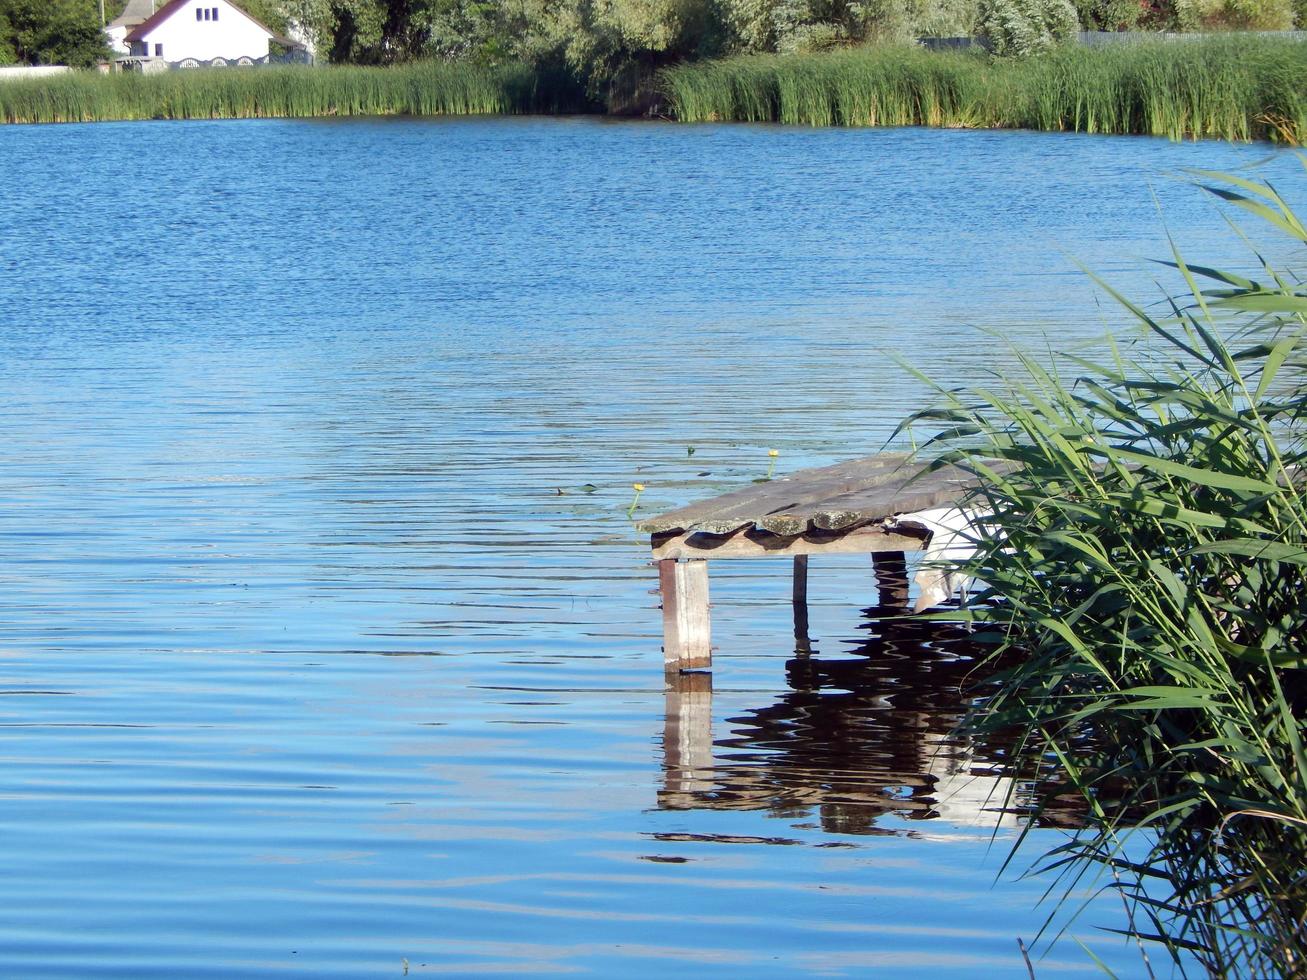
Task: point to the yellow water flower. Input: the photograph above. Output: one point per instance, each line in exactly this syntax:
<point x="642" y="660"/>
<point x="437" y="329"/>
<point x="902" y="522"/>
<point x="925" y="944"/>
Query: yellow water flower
<point x="638" y="488"/>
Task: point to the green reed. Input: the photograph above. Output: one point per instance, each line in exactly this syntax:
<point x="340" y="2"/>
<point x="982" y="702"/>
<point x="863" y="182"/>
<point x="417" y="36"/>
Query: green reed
<point x="420" y="89"/>
<point x="1236" y="88"/>
<point x="1147" y="560"/>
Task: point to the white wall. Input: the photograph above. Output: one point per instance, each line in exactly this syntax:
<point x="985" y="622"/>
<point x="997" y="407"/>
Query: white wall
<point x="116" y="35"/>
<point x="15" y="72"/>
<point x="231" y="36"/>
<point x="302" y="35"/>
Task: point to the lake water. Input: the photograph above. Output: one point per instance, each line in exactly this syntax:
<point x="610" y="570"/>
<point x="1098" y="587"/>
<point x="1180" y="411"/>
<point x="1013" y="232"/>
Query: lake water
<point x="318" y="657"/>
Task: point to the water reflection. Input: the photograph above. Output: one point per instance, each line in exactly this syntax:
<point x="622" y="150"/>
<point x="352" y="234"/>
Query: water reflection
<point x="861" y="736"/>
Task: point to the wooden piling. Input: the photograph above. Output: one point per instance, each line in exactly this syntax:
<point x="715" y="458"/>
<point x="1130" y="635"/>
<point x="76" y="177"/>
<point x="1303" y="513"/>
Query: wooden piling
<point x="687" y="633"/>
<point x="802" y="644"/>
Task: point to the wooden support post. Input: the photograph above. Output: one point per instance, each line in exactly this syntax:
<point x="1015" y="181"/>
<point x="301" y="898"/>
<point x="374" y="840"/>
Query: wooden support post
<point x="802" y="644"/>
<point x="687" y="633"/>
<point x="891" y="578"/>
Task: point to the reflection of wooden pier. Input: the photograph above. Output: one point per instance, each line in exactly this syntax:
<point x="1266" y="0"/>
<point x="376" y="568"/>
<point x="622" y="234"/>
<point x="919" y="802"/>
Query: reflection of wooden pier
<point x="878" y="506"/>
<point x="854" y="740"/>
<point x="801" y="762"/>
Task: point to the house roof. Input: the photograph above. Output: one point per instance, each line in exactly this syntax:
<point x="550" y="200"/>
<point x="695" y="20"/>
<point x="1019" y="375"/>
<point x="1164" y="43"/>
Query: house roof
<point x="136" y="12"/>
<point x="170" y="8"/>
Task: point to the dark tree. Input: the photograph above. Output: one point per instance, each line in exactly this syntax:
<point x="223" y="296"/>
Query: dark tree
<point x="52" y="32"/>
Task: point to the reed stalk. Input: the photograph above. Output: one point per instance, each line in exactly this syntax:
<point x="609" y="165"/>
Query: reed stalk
<point x="1147" y="561"/>
<point x="420" y="89"/>
<point x="1233" y="88"/>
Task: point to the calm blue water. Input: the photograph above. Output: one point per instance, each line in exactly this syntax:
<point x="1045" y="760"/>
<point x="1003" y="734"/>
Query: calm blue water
<point x="316" y="658"/>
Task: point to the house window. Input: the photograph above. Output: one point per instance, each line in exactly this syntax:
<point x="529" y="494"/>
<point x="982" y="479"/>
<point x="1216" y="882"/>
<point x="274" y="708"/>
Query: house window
<point x="199" y="13"/>
<point x="215" y="13"/>
<point x="158" y="50"/>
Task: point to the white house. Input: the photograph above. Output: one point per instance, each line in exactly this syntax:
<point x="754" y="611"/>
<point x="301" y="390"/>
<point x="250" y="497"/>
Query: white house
<point x="200" y="31"/>
<point x="134" y="14"/>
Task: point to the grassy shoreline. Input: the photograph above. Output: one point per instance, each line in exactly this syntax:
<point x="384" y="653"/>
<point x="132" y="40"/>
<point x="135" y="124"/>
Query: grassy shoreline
<point x="1235" y="88"/>
<point x="421" y="89"/>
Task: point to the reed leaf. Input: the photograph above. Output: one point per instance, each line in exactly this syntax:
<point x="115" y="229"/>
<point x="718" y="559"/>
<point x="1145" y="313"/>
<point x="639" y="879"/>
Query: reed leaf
<point x="428" y="88"/>
<point x="1148" y="562"/>
<point x="1234" y="88"/>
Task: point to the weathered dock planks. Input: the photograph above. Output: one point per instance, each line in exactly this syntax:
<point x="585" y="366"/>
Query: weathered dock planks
<point x="860" y="506"/>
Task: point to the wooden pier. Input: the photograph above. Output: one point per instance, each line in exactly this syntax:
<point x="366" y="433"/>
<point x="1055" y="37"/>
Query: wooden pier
<point x="880" y="505"/>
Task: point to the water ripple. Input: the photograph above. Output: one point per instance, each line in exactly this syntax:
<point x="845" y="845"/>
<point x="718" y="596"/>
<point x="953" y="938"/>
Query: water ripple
<point x="325" y="642"/>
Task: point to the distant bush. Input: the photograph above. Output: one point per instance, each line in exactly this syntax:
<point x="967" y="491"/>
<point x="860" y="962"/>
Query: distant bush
<point x="1027" y="27"/>
<point x="945" y="18"/>
<point x="1109" y="15"/>
<point x="1235" y="15"/>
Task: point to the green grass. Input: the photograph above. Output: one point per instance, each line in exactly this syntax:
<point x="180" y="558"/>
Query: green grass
<point x="1147" y="562"/>
<point x="422" y="89"/>
<point x="1230" y="88"/>
<point x="1235" y="88"/>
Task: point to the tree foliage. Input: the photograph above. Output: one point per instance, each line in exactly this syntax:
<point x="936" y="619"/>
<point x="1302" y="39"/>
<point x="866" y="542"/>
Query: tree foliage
<point x="270" y="13"/>
<point x="1109" y="15"/>
<point x="1026" y="27"/>
<point x="596" y="37"/>
<point x="615" y="48"/>
<point x="1261" y="15"/>
<point x="51" y="32"/>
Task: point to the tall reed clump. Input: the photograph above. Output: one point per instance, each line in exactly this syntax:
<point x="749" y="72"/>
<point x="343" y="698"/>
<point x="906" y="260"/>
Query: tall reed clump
<point x="1236" y="88"/>
<point x="1147" y="558"/>
<point x="884" y="85"/>
<point x="1233" y="88"/>
<point x="420" y="89"/>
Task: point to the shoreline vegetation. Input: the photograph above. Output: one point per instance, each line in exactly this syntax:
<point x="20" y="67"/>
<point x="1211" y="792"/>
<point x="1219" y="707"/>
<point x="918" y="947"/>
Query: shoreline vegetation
<point x="1232" y="88"/>
<point x="1145" y="560"/>
<point x="429" y="88"/>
